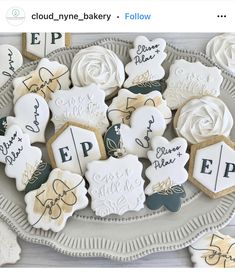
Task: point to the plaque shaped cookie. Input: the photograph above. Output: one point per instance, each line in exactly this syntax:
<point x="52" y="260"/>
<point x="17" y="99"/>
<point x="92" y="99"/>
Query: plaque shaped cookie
<point x="31" y="115"/>
<point x="49" y="206"/>
<point x="146" y="65"/>
<point x="116" y="185"/>
<point x="21" y="159"/>
<point x="11" y="60"/>
<point x="166" y="158"/>
<point x="75" y="145"/>
<point x="145" y="122"/>
<point x="212" y="166"/>
<point x="213" y="250"/>
<point x="187" y="80"/>
<point x="47" y="78"/>
<point x="84" y="105"/>
<point x="126" y="102"/>
<point x="37" y="45"/>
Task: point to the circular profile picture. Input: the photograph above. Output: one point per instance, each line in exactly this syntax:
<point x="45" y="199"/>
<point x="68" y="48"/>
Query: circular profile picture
<point x="15" y="16"/>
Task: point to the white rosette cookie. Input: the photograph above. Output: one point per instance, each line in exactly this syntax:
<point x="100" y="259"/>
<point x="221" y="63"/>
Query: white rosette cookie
<point x="221" y="50"/>
<point x="100" y="66"/>
<point x="201" y="118"/>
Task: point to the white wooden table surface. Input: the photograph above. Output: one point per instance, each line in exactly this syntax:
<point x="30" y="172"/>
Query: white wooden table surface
<point x="41" y="256"/>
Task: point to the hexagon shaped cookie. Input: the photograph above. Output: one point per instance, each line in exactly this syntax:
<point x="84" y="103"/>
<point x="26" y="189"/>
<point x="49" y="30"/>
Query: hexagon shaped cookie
<point x="212" y="166"/>
<point x="74" y="146"/>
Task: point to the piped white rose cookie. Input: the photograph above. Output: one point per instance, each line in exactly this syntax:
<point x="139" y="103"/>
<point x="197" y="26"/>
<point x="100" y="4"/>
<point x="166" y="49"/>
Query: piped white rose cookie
<point x="202" y="118"/>
<point x="31" y="115"/>
<point x="84" y="105"/>
<point x="98" y="65"/>
<point x="116" y="185"/>
<point x="187" y="80"/>
<point x="145" y="122"/>
<point x="146" y="65"/>
<point x="50" y="205"/>
<point x="47" y="78"/>
<point x="126" y="102"/>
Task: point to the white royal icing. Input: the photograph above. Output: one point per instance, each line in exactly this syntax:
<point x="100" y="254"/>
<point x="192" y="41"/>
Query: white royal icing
<point x="11" y="60"/>
<point x="100" y="66"/>
<point x="213" y="250"/>
<point x="201" y="118"/>
<point x="167" y="164"/>
<point x="47" y="78"/>
<point x="145" y="123"/>
<point x="84" y="105"/>
<point x="221" y="50"/>
<point x="146" y="65"/>
<point x="126" y="102"/>
<point x="31" y="115"/>
<point x="187" y="80"/>
<point x="49" y="206"/>
<point x="20" y="157"/>
<point x="116" y="185"/>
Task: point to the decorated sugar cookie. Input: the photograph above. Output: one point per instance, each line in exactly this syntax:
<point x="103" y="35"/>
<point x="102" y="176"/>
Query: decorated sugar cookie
<point x="116" y="185"/>
<point x="98" y="65"/>
<point x="187" y="80"/>
<point x="212" y="166"/>
<point x="11" y="60"/>
<point x="74" y="146"/>
<point x="126" y="102"/>
<point x="202" y="118"/>
<point x="37" y="45"/>
<point x="145" y="122"/>
<point x="48" y="77"/>
<point x="49" y="206"/>
<point x="146" y="65"/>
<point x="213" y="250"/>
<point x="166" y="158"/>
<point x="221" y="50"/>
<point x="31" y="115"/>
<point x="84" y="105"/>
<point x="147" y="87"/>
<point x="169" y="197"/>
<point x="21" y="159"/>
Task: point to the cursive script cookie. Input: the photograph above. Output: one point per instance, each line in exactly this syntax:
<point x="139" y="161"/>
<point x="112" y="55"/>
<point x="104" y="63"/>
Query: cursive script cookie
<point x="84" y="105"/>
<point x="221" y="50"/>
<point x="212" y="166"/>
<point x="187" y="80"/>
<point x="146" y="65"/>
<point x="116" y="185"/>
<point x="213" y="250"/>
<point x="11" y="60"/>
<point x="75" y="145"/>
<point x="31" y="115"/>
<point x="37" y="45"/>
<point x="202" y="118"/>
<point x="21" y="159"/>
<point x="48" y="77"/>
<point x="166" y="158"/>
<point x="126" y="102"/>
<point x="100" y="66"/>
<point x="49" y="206"/>
<point x="145" y="122"/>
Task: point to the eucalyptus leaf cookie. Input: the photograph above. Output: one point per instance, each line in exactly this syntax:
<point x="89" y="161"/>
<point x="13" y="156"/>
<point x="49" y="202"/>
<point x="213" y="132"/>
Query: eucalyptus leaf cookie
<point x="146" y="61"/>
<point x="202" y="118"/>
<point x="47" y="78"/>
<point x="116" y="185"/>
<point x="145" y="123"/>
<point x="187" y="80"/>
<point x="100" y="66"/>
<point x="126" y="102"/>
<point x="84" y="105"/>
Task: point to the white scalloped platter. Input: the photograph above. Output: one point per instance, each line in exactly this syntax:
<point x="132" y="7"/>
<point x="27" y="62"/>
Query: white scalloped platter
<point x="132" y="235"/>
